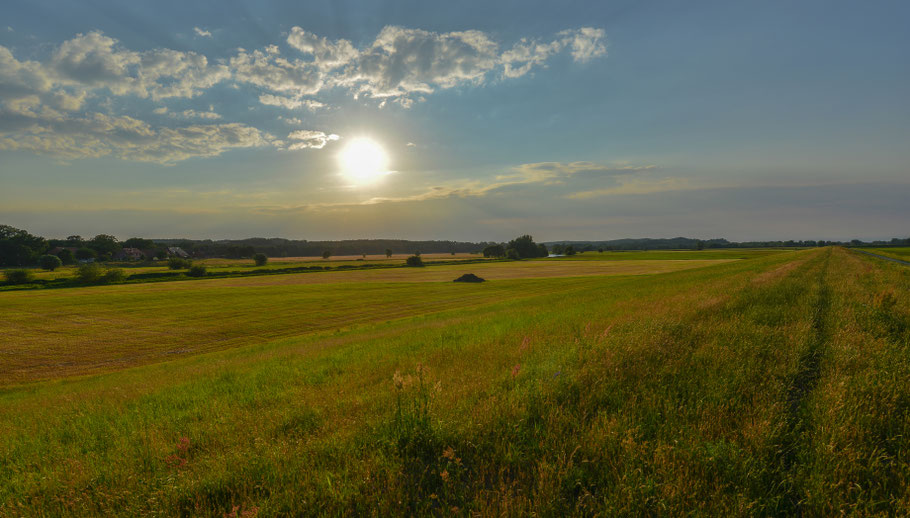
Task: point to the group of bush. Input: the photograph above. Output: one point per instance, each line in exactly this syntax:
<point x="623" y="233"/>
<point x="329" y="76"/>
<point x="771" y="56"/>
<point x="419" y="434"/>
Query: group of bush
<point x="522" y="247"/>
<point x="192" y="270"/>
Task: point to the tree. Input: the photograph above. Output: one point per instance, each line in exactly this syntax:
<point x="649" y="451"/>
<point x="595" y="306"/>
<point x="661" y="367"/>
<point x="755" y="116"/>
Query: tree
<point x="570" y="250"/>
<point x="66" y="256"/>
<point x="86" y="254"/>
<point x="18" y="276"/>
<point x="49" y="262"/>
<point x="326" y="254"/>
<point x="138" y="242"/>
<point x="388" y="253"/>
<point x="542" y="250"/>
<point x="699" y="244"/>
<point x="89" y="273"/>
<point x="177" y="263"/>
<point x="414" y="260"/>
<point x="495" y="251"/>
<point x="600" y="250"/>
<point x="197" y="271"/>
<point x="559" y="249"/>
<point x="18" y="247"/>
<point x="260" y="259"/>
<point x="113" y="275"/>
<point x="104" y="244"/>
<point x="525" y="246"/>
<point x="513" y="254"/>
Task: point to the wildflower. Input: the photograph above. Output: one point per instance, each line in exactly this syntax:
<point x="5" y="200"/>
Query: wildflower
<point x="515" y="369"/>
<point x="398" y="380"/>
<point x="525" y="343"/>
<point x="437" y="387"/>
<point x="606" y="331"/>
<point x="444" y="475"/>
<point x="449" y="454"/>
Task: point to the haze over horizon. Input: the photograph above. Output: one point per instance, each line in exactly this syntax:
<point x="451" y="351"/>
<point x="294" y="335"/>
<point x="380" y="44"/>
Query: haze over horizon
<point x="468" y="121"/>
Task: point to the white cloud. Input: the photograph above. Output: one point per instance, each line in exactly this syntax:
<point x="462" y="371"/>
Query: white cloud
<point x="310" y="139"/>
<point x="401" y="63"/>
<point x="540" y="173"/>
<point x="290" y="102"/>
<point x="291" y="121"/>
<point x="631" y="185"/>
<point x="587" y="43"/>
<point x="193" y="114"/>
<point x="525" y="55"/>
<point x="273" y="72"/>
<point x="95" y="61"/>
<point x="42" y="103"/>
<point x="99" y="135"/>
<point x="326" y="54"/>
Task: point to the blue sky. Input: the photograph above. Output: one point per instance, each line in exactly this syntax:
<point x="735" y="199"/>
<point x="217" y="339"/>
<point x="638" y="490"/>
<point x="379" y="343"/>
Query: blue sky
<point x="568" y="120"/>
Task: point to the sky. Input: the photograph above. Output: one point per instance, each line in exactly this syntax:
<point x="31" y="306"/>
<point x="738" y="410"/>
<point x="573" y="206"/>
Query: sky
<point x="456" y="120"/>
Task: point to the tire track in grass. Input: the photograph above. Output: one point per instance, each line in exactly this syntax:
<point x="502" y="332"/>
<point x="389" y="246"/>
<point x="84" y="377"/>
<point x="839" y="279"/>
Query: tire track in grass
<point x="792" y="439"/>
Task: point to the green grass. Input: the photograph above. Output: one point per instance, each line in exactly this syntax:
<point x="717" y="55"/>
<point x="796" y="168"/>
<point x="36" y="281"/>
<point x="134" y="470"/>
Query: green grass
<point x="902" y="253"/>
<point x="771" y="387"/>
<point x="660" y="255"/>
<point x="64" y="332"/>
<point x="225" y="266"/>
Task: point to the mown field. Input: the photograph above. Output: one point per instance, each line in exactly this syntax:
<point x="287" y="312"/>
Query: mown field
<point x="54" y="333"/>
<point x="221" y="265"/>
<point x="902" y="253"/>
<point x="772" y="386"/>
<point x="671" y="255"/>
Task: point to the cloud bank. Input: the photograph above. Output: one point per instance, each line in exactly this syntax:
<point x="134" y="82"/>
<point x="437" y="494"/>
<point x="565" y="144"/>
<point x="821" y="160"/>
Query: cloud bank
<point x="61" y="105"/>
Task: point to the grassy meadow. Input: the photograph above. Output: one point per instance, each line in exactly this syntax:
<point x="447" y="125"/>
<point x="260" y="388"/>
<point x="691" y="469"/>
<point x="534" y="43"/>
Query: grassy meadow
<point x="770" y="385"/>
<point x="897" y="252"/>
<point x="222" y="266"/>
<point x="670" y="255"/>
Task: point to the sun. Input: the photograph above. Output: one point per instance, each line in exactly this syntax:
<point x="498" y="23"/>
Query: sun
<point x="363" y="161"/>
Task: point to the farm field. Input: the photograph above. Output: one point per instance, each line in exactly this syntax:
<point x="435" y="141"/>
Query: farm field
<point x="902" y="253"/>
<point x="98" y="328"/>
<point x="772" y="385"/>
<point x="220" y="265"/>
<point x="660" y="255"/>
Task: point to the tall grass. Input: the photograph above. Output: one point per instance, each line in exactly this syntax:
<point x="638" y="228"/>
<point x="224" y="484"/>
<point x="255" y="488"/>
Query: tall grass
<point x="769" y="387"/>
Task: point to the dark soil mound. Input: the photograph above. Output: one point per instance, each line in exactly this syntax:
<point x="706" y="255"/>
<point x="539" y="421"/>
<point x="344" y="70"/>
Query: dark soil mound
<point x="468" y="277"/>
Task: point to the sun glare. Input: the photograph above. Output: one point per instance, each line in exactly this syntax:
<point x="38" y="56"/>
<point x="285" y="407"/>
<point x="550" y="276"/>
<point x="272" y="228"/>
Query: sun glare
<point x="363" y="161"/>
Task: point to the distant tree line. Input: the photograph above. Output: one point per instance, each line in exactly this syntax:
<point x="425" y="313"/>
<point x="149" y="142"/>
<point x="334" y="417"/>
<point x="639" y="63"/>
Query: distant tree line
<point x="20" y="248"/>
<point x="279" y="247"/>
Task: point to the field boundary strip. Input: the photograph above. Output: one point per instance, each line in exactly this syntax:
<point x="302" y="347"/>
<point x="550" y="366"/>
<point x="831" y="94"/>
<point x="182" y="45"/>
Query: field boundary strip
<point x="899" y="261"/>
